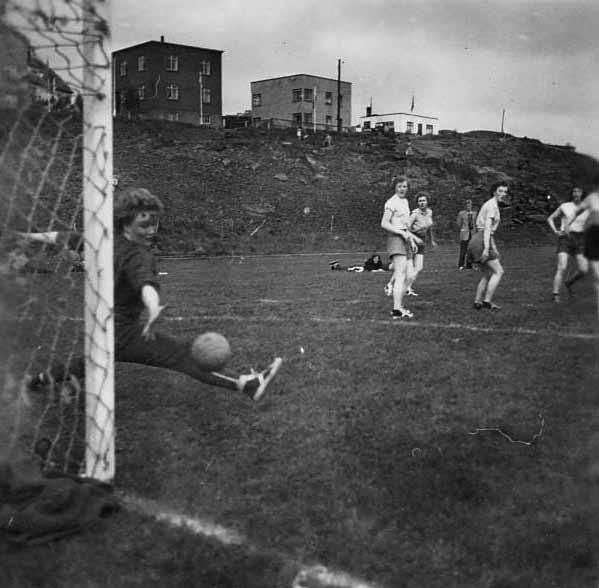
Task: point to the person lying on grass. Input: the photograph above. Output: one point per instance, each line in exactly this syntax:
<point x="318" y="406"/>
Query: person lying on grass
<point x="372" y="264"/>
<point x="136" y="290"/>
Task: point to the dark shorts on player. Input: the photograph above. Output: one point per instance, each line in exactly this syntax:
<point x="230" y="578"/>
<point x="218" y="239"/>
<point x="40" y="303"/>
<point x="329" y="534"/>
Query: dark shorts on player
<point x="476" y="246"/>
<point x="572" y="244"/>
<point x="397" y="245"/>
<point x="420" y="249"/>
<point x="591" y="243"/>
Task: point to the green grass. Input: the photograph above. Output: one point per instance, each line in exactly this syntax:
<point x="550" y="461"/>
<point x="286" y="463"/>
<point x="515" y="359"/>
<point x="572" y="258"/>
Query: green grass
<point x="362" y="456"/>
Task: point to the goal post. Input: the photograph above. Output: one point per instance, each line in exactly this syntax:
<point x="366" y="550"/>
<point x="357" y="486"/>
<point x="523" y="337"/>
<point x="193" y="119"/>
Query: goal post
<point x="98" y="230"/>
<point x="56" y="176"/>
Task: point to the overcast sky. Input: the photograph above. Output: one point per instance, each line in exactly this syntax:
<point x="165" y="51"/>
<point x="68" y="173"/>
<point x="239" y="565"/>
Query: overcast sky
<point x="464" y="61"/>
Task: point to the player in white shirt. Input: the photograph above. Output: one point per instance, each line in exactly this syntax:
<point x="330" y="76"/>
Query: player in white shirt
<point x="401" y="243"/>
<point x="570" y="242"/>
<point x="482" y="249"/>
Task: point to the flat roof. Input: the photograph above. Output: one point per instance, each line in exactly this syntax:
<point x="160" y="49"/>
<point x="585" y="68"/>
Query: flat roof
<point x="167" y="43"/>
<point x="298" y="75"/>
<point x="404" y="113"/>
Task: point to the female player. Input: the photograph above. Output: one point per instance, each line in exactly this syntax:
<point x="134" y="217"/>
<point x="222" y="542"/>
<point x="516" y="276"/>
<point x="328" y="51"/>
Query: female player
<point x="482" y="249"/>
<point x="421" y="224"/>
<point x="590" y="205"/>
<point x="136" y="290"/>
<point x="400" y="243"/>
<point x="570" y="243"/>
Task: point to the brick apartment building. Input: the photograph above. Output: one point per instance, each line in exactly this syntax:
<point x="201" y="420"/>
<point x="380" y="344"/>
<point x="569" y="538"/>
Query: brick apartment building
<point x="169" y="81"/>
<point x="301" y="100"/>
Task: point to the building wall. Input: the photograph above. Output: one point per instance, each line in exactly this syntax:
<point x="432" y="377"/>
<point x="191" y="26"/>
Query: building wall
<point x="277" y="101"/>
<point x="155" y="78"/>
<point x="401" y="123"/>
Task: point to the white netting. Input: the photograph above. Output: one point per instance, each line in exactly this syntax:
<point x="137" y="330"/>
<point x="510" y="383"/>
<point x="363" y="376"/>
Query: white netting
<point x="56" y="233"/>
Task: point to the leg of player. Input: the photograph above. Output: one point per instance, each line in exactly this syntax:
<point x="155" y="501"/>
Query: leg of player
<point x="400" y="263"/>
<point x="582" y="267"/>
<point x="416" y="267"/>
<point x="594" y="272"/>
<point x="496" y="273"/>
<point x="481" y="288"/>
<point x="558" y="278"/>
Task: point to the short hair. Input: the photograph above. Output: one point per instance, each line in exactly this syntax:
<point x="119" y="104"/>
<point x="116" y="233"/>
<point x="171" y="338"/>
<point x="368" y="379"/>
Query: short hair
<point x="423" y="195"/>
<point x="398" y="180"/>
<point x="496" y="185"/>
<point x="131" y="202"/>
<point x="468" y="201"/>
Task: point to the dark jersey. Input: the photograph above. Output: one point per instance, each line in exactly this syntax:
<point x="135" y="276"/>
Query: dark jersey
<point x="370" y="264"/>
<point x="134" y="267"/>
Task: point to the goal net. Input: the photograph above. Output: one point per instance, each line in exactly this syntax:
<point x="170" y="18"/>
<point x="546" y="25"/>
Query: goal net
<point x="56" y="235"/>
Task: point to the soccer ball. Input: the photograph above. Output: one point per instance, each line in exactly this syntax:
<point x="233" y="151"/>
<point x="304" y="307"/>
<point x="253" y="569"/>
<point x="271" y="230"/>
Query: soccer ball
<point x="211" y="350"/>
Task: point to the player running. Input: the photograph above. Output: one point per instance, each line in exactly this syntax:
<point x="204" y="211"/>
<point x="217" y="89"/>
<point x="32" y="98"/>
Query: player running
<point x="590" y="206"/>
<point x="421" y="224"/>
<point x="136" y="290"/>
<point x="482" y="249"/>
<point x="569" y="244"/>
<point x="401" y="244"/>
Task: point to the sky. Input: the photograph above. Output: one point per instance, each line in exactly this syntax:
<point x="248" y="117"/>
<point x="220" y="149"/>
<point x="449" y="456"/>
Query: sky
<point x="464" y="61"/>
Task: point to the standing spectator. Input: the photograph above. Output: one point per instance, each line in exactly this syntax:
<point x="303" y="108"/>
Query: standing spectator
<point x="465" y="222"/>
<point x="570" y="241"/>
<point x="482" y="249"/>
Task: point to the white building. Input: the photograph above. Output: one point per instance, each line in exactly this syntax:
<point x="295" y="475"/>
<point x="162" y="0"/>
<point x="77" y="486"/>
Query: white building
<point x="399" y="122"/>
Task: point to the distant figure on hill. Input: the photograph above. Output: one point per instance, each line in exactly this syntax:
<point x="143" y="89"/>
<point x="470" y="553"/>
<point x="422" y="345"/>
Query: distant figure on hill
<point x="465" y="222"/>
<point x="570" y="242"/>
<point x="482" y="249"/>
<point x="590" y="206"/>
<point x="328" y="141"/>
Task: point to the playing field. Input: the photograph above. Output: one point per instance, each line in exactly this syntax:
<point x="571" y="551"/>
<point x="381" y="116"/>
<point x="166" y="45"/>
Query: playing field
<point x="368" y="454"/>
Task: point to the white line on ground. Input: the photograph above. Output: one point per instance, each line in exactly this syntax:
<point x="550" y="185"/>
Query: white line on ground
<point x="401" y="324"/>
<point x="313" y="576"/>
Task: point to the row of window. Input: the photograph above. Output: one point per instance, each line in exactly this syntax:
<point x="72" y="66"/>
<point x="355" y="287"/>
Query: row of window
<point x="171" y="63"/>
<point x="173" y="92"/>
<point x="306" y="118"/>
<point x="390" y="125"/>
<point x="297" y="95"/>
<point x="174" y="117"/>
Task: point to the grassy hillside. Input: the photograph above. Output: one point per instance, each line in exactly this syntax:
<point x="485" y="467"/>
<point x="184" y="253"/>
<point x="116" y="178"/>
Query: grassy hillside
<point x="248" y="191"/>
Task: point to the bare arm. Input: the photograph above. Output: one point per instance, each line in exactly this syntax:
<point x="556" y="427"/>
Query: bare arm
<point x="553" y="217"/>
<point x="151" y="300"/>
<point x="47" y="237"/>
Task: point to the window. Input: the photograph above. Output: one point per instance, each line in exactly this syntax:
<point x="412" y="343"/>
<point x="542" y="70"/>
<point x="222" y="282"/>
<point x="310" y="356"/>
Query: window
<point x="141" y="92"/>
<point x="205" y="119"/>
<point x="172" y="116"/>
<point x="366" y="124"/>
<point x="328" y="119"/>
<point x="141" y="63"/>
<point x="297" y="95"/>
<point x="308" y="94"/>
<point x="308" y="118"/>
<point x="205" y="68"/>
<point x="297" y="118"/>
<point x="409" y="127"/>
<point x="172" y="63"/>
<point x="328" y="98"/>
<point x="9" y="71"/>
<point x="256" y="121"/>
<point x="206" y="95"/>
<point x="123" y="68"/>
<point x="429" y="129"/>
<point x="256" y="99"/>
<point x="172" y="92"/>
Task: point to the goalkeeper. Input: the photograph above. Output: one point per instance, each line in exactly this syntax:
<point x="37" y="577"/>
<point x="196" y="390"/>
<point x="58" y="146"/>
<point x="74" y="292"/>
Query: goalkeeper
<point x="136" y="290"/>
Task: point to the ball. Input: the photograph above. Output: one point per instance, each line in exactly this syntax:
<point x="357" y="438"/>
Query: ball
<point x="211" y="350"/>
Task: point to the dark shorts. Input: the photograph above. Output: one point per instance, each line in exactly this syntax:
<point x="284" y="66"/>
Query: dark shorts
<point x="591" y="243"/>
<point x="476" y="246"/>
<point x="420" y="249"/>
<point x="572" y="244"/>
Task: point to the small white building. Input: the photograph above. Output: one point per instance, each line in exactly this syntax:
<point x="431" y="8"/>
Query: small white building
<point x="399" y="122"/>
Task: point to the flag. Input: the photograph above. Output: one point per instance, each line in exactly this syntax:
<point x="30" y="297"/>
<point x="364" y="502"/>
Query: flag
<point x="412" y="107"/>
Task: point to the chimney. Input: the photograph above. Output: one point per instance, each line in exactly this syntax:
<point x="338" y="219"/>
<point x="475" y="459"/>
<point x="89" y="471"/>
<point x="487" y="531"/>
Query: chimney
<point x="369" y="111"/>
<point x="162" y="38"/>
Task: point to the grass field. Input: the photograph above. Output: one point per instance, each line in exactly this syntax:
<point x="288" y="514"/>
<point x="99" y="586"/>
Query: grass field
<point x="367" y="455"/>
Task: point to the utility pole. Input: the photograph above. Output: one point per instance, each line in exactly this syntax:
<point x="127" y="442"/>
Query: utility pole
<point x="339" y="122"/>
<point x="502" y="120"/>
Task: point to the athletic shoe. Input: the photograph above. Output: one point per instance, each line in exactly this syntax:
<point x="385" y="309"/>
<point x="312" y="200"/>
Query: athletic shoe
<point x="491" y="306"/>
<point x="461" y="267"/>
<point x="478" y="305"/>
<point x="410" y="292"/>
<point x="254" y="384"/>
<point x="401" y="314"/>
<point x="389" y="289"/>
